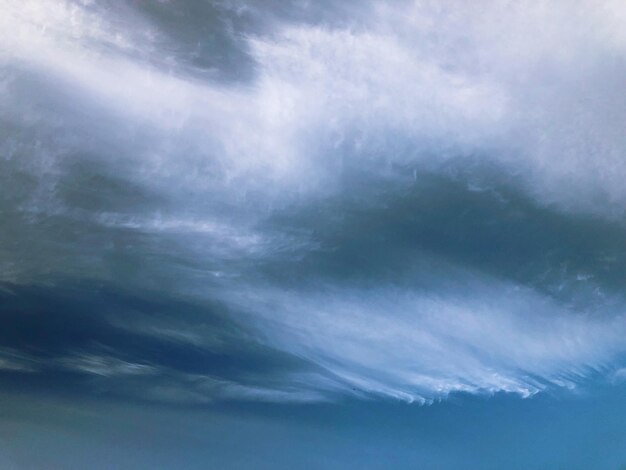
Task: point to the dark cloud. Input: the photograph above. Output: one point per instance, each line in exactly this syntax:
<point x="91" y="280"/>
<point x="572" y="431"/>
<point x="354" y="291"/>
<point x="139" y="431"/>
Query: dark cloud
<point x="408" y="231"/>
<point x="79" y="338"/>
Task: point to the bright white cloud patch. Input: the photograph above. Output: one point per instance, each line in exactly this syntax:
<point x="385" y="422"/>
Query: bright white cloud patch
<point x="418" y="346"/>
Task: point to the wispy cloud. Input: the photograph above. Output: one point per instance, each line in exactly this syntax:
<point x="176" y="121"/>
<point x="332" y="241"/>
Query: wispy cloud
<point x="423" y="345"/>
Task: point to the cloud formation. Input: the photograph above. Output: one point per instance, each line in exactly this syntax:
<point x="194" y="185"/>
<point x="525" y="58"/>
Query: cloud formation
<point x="407" y="199"/>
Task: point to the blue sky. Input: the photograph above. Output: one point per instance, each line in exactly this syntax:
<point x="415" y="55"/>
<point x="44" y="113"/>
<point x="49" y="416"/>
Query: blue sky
<point x="312" y="234"/>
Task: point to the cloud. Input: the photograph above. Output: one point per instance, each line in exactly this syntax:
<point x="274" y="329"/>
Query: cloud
<point x="417" y="346"/>
<point x="16" y="361"/>
<point x="106" y="366"/>
<point x="162" y="384"/>
<point x="415" y="199"/>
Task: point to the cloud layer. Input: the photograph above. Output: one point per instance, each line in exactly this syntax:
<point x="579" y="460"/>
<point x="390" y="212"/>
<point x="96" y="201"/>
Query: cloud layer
<point x="402" y="199"/>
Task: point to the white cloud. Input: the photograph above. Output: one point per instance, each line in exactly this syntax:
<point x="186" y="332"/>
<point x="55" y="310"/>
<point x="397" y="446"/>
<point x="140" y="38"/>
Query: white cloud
<point x="534" y="87"/>
<point x="419" y="346"/>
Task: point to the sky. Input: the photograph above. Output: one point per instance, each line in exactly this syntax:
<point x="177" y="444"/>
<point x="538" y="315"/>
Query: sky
<point x="323" y="234"/>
